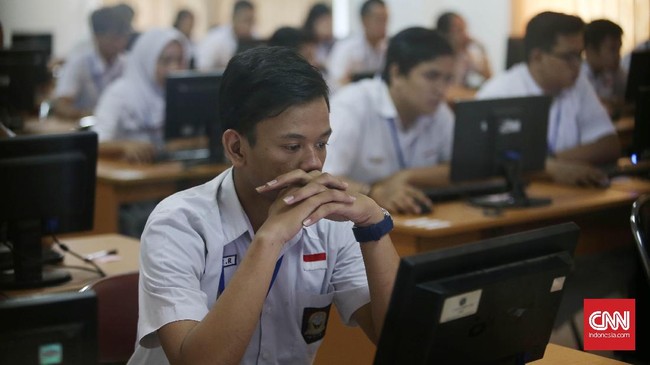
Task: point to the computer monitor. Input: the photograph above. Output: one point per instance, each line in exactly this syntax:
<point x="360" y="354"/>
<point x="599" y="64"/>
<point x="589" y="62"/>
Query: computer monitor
<point x="515" y="51"/>
<point x="490" y="302"/>
<point x="639" y="74"/>
<point x="22" y="73"/>
<point x="641" y="132"/>
<point x="191" y="109"/>
<point x="47" y="186"/>
<point x="501" y="137"/>
<point x="32" y="41"/>
<point x="49" y="329"/>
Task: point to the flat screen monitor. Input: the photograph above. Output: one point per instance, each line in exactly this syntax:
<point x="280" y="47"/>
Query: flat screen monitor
<point x="641" y="133"/>
<point x="22" y="72"/>
<point x="32" y="41"/>
<point x="49" y="329"/>
<point x="639" y="74"/>
<point x="501" y="138"/>
<point x="191" y="110"/>
<point x="489" y="302"/>
<point x="515" y="51"/>
<point x="47" y="187"/>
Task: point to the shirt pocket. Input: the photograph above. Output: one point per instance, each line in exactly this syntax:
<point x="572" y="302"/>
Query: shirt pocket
<point x="312" y="314"/>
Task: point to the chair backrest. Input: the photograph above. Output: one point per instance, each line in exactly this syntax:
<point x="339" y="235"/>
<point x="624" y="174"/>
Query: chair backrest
<point x="117" y="311"/>
<point x="640" y="223"/>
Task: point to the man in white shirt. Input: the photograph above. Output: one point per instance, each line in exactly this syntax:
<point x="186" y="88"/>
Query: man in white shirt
<point x="220" y="44"/>
<point x="602" y="63"/>
<point x="363" y="53"/>
<point x="393" y="134"/>
<point x="87" y="72"/>
<point x="244" y="268"/>
<point x="580" y="133"/>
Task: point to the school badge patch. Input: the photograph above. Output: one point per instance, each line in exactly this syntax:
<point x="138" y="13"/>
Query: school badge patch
<point x="314" y="323"/>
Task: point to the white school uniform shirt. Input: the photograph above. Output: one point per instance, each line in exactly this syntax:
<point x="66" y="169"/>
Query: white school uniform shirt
<point x="354" y="55"/>
<point x="195" y="236"/>
<point x="85" y="75"/>
<point x="368" y="138"/>
<point x="576" y="116"/>
<point x="216" y="48"/>
<point x="607" y="84"/>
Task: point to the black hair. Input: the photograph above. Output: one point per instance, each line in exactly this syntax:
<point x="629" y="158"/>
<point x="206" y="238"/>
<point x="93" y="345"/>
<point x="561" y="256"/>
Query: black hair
<point x="597" y="31"/>
<point x="111" y="20"/>
<point x="367" y="6"/>
<point x="544" y="28"/>
<point x="242" y="5"/>
<point x="182" y="14"/>
<point x="443" y="24"/>
<point x="413" y="46"/>
<point x="290" y="37"/>
<point x="262" y="83"/>
<point x="316" y="11"/>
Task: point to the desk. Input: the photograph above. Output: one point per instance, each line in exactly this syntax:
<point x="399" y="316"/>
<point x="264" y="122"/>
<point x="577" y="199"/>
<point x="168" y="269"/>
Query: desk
<point x="556" y="354"/>
<point x="128" y="250"/>
<point x="120" y="182"/>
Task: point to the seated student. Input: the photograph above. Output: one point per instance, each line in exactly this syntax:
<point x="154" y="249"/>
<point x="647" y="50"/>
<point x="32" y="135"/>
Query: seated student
<point x="319" y="25"/>
<point x="361" y="53"/>
<point x="91" y="68"/>
<point x="184" y="22"/>
<point x="220" y="44"/>
<point x="602" y="63"/>
<point x="130" y="114"/>
<point x="580" y="133"/>
<point x="395" y="133"/>
<point x="472" y="64"/>
<point x="244" y="268"/>
<point x="296" y="39"/>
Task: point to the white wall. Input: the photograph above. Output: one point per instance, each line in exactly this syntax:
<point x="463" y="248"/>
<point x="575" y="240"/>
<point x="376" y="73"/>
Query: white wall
<point x="66" y="19"/>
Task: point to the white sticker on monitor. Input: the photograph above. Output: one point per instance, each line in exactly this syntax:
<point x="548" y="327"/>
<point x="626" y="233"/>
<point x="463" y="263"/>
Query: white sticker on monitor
<point x="460" y="306"/>
<point x="558" y="284"/>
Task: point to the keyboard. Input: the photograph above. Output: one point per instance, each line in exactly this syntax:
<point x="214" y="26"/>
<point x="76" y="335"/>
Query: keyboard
<point x="466" y="189"/>
<point x="642" y="169"/>
<point x="202" y="154"/>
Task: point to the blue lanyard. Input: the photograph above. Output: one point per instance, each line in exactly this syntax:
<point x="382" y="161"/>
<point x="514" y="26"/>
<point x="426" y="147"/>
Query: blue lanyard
<point x="398" y="148"/>
<point x="222" y="280"/>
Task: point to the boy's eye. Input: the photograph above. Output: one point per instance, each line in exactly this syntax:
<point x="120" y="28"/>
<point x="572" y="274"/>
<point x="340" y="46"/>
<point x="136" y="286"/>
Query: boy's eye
<point x="292" y="147"/>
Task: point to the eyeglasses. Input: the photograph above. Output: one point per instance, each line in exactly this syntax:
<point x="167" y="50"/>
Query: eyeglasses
<point x="568" y="57"/>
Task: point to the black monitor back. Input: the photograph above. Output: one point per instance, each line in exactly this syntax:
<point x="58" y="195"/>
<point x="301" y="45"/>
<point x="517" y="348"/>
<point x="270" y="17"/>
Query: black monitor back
<point x="32" y="41"/>
<point x="515" y="51"/>
<point x="49" y="329"/>
<point x="641" y="134"/>
<point x="639" y="75"/>
<point x="489" y="132"/>
<point x="22" y="71"/>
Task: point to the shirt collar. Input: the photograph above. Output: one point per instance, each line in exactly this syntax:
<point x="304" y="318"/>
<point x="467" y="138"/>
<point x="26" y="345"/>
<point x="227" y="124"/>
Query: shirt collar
<point x="387" y="107"/>
<point x="234" y="220"/>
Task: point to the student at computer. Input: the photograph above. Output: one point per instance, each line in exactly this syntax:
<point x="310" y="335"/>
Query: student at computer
<point x="130" y="114"/>
<point x="220" y="44"/>
<point x="360" y="53"/>
<point x="244" y="268"/>
<point x="92" y="67"/>
<point x="298" y="40"/>
<point x="602" y="63"/>
<point x="472" y="64"/>
<point x="394" y="133"/>
<point x="580" y="133"/>
<point x="319" y="25"/>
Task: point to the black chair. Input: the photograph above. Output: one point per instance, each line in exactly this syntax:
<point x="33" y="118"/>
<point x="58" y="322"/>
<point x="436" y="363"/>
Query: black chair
<point x="640" y="288"/>
<point x="640" y="223"/>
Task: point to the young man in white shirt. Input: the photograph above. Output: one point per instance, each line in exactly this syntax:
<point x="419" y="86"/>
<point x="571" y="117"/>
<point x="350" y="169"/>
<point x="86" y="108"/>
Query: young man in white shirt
<point x="87" y="72"/>
<point x="362" y="53"/>
<point x="220" y="44"/>
<point x="244" y="268"/>
<point x="393" y="134"/>
<point x="580" y="133"/>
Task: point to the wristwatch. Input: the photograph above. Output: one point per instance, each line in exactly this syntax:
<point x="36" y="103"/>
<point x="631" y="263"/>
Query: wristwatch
<point x="375" y="231"/>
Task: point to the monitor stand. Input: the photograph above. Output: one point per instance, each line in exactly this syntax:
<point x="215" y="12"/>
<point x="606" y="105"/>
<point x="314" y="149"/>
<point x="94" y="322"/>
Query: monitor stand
<point x="28" y="270"/>
<point x="516" y="196"/>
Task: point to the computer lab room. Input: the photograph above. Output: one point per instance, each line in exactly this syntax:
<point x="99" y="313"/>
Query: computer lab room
<point x="325" y="182"/>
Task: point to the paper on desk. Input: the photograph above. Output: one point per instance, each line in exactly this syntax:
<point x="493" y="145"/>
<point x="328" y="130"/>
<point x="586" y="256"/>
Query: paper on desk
<point x="427" y="223"/>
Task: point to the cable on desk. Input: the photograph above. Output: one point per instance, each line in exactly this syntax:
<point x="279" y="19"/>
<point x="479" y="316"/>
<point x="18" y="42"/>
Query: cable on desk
<point x="67" y="249"/>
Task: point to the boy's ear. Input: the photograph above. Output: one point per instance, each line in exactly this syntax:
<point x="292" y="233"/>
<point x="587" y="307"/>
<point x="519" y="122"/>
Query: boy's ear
<point x="234" y="146"/>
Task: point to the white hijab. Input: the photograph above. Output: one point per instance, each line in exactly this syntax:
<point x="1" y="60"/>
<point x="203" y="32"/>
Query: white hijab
<point x="134" y="107"/>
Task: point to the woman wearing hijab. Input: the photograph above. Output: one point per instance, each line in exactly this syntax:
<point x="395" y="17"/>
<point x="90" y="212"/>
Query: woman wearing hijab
<point x="130" y="114"/>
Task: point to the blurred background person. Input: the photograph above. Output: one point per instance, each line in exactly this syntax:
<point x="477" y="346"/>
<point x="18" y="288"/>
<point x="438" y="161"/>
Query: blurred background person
<point x="220" y="44"/>
<point x="91" y="68"/>
<point x="319" y="27"/>
<point x="184" y="23"/>
<point x="298" y="40"/>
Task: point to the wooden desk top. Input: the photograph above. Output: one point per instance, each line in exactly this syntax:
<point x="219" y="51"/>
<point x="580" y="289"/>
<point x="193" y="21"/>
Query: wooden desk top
<point x="556" y="354"/>
<point x="458" y="217"/>
<point x="49" y="125"/>
<point x="123" y="173"/>
<point x="127" y="259"/>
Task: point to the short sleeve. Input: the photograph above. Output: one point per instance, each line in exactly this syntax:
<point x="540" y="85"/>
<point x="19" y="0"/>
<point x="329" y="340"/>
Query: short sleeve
<point x="68" y="84"/>
<point x="593" y="120"/>
<point x="108" y="113"/>
<point x="346" y="118"/>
